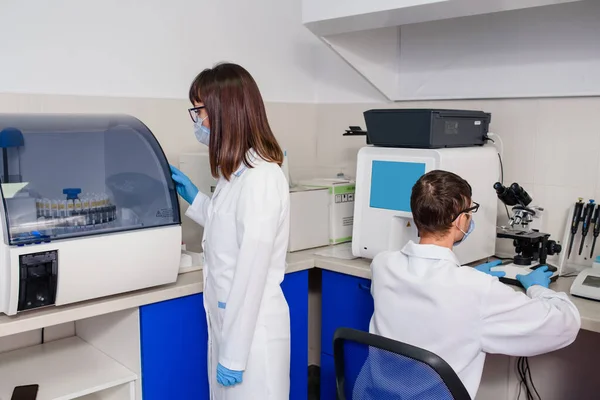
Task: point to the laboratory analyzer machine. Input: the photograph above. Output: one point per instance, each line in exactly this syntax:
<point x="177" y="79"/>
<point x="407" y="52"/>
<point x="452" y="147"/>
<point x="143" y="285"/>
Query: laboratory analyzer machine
<point x="88" y="210"/>
<point x="406" y="144"/>
<point x="385" y="177"/>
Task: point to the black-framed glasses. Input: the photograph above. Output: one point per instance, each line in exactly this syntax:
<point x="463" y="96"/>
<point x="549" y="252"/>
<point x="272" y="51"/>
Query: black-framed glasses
<point x="471" y="210"/>
<point x="195" y="113"/>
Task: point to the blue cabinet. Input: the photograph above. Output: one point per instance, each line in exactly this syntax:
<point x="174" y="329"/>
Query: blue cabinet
<point x="295" y="289"/>
<point x="346" y="302"/>
<point x="174" y="339"/>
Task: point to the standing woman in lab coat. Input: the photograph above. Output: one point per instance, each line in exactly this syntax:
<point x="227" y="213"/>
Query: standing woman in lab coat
<point x="246" y="230"/>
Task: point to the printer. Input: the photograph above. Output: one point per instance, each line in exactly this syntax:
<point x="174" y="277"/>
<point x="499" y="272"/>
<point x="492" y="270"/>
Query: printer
<point x="88" y="210"/>
<point x="406" y="144"/>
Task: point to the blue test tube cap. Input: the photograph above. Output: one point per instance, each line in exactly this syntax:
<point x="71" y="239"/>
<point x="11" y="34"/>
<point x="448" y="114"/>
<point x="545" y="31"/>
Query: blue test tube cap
<point x="72" y="193"/>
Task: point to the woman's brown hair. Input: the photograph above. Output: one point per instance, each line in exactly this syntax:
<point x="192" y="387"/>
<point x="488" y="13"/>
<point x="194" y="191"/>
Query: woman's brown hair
<point x="237" y="116"/>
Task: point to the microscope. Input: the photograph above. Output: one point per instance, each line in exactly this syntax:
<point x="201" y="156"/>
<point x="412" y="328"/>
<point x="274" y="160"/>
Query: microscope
<point x="532" y="247"/>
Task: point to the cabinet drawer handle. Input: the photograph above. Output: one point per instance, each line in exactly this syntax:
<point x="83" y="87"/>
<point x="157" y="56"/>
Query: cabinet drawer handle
<point x="364" y="287"/>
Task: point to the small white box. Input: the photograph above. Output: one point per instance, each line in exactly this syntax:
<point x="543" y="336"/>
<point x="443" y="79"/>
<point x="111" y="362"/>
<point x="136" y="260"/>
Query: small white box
<point x="341" y="207"/>
<point x="309" y="218"/>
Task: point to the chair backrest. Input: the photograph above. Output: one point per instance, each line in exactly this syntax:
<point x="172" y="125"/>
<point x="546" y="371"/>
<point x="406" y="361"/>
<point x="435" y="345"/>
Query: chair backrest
<point x="369" y="367"/>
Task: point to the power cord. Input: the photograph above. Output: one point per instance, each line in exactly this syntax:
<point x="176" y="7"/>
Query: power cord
<point x="501" y="164"/>
<point x="526" y="381"/>
<point x="502" y="182"/>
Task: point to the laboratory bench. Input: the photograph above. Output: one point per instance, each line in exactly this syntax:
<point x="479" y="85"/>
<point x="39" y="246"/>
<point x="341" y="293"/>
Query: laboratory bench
<point x="152" y="342"/>
<point x="191" y="283"/>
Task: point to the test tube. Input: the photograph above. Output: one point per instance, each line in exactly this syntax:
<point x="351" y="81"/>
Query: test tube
<point x="39" y="208"/>
<point x="94" y="210"/>
<point x="54" y="207"/>
<point x="93" y="206"/>
<point x="62" y="217"/>
<point x="54" y="216"/>
<point x="47" y="208"/>
<point x="99" y="210"/>
<point x="105" y="210"/>
<point x="39" y="205"/>
<point x="77" y="214"/>
<point x="85" y="211"/>
<point x="70" y="211"/>
<point x="112" y="213"/>
<point x="71" y="225"/>
<point x="100" y="200"/>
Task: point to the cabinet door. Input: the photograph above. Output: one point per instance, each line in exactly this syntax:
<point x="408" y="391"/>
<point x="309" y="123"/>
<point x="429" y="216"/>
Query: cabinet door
<point x="328" y="385"/>
<point x="346" y="302"/>
<point x="295" y="289"/>
<point x="174" y="339"/>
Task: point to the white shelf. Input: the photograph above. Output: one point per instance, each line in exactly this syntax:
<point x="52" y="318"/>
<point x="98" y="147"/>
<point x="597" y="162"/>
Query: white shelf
<point x="412" y="50"/>
<point x="334" y="17"/>
<point x="64" y="369"/>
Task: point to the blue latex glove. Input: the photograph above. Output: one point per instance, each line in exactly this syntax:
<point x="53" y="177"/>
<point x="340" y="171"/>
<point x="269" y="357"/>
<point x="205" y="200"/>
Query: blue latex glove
<point x="227" y="377"/>
<point x="540" y="276"/>
<point x="186" y="189"/>
<point x="486" y="268"/>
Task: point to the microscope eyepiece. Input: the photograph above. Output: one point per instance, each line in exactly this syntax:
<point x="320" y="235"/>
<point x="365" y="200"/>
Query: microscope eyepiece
<point x="522" y="196"/>
<point x="513" y="195"/>
<point x="506" y="195"/>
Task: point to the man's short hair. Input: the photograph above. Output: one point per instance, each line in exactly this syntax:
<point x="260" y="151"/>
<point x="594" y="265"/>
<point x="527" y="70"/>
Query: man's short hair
<point x="437" y="199"/>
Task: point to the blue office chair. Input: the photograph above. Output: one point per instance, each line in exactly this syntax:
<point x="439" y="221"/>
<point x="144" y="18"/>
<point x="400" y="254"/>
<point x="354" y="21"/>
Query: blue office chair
<point x="371" y="367"/>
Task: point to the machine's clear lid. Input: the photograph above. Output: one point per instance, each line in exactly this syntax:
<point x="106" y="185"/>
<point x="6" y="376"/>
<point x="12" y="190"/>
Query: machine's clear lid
<point x="76" y="175"/>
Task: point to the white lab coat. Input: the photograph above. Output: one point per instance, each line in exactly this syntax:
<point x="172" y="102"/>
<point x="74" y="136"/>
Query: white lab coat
<point x="246" y="232"/>
<point x="423" y="297"/>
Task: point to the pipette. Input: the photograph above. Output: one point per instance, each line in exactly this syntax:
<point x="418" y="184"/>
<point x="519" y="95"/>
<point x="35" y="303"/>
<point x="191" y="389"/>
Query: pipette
<point x="588" y="212"/>
<point x="575" y="224"/>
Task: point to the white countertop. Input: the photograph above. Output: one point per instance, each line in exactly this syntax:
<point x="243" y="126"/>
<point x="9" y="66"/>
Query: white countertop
<point x="191" y="283"/>
<point x="186" y="284"/>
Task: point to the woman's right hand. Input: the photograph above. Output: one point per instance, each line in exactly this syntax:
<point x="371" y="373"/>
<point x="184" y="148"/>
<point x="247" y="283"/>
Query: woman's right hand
<point x="186" y="189"/>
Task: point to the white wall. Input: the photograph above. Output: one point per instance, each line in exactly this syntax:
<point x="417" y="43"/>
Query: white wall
<point x="152" y="48"/>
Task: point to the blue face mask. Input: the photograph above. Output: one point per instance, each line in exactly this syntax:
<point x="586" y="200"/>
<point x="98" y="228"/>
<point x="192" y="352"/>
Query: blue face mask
<point x="202" y="133"/>
<point x="467" y="233"/>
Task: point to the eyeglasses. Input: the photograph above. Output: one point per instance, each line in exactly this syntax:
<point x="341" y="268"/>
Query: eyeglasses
<point x="195" y="113"/>
<point x="471" y="210"/>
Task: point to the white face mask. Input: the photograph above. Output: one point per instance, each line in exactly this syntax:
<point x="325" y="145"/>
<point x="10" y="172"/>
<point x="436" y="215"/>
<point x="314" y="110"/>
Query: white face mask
<point x="202" y="132"/>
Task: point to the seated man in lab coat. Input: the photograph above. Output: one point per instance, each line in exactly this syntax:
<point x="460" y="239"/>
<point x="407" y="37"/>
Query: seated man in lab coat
<point x="424" y="297"/>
